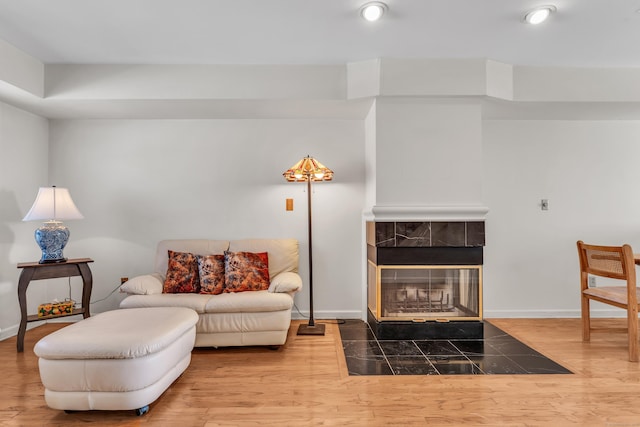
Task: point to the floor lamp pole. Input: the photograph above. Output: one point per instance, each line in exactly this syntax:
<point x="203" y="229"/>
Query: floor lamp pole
<point x="309" y="169"/>
<point x="311" y="328"/>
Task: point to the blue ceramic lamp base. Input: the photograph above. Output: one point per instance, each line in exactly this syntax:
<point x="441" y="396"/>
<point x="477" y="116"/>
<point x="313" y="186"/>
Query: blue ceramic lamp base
<point x="52" y="237"/>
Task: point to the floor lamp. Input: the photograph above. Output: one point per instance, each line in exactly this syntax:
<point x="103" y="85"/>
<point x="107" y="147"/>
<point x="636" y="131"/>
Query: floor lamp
<point x="308" y="170"/>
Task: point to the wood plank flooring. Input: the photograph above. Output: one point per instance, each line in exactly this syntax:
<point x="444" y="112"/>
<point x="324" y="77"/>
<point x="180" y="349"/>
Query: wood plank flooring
<point x="305" y="383"/>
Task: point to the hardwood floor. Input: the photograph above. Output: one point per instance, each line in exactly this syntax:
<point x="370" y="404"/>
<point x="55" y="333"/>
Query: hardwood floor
<point x="305" y="383"/>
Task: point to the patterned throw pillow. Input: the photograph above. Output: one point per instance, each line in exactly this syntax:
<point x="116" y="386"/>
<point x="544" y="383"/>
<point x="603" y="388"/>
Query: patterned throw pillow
<point x="211" y="271"/>
<point x="182" y="274"/>
<point x="246" y="271"/>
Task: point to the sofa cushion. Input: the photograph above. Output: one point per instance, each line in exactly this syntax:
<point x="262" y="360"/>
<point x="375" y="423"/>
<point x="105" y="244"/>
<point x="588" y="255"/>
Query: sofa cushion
<point x="109" y="335"/>
<point x="196" y="302"/>
<point x="148" y="284"/>
<point x="283" y="253"/>
<point x="194" y="246"/>
<point x="286" y="282"/>
<point x="246" y="271"/>
<point x="211" y="272"/>
<point x="247" y="302"/>
<point x="233" y="302"/>
<point x="182" y="274"/>
<point x="226" y="329"/>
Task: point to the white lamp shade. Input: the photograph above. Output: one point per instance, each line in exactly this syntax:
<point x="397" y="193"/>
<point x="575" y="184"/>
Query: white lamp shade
<point x="53" y="203"/>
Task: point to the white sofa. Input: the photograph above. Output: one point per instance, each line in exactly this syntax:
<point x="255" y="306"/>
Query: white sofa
<point x="227" y="319"/>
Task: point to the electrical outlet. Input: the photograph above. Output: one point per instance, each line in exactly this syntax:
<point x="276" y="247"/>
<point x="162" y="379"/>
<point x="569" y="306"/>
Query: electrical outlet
<point x="592" y="282"/>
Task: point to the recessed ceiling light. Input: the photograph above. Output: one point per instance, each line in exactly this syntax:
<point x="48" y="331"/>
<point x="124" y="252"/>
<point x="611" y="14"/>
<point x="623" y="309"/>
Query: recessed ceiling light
<point x="373" y="11"/>
<point x="539" y="14"/>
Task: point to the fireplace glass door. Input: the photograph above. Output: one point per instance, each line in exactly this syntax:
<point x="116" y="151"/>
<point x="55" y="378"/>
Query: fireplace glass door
<point x="421" y="293"/>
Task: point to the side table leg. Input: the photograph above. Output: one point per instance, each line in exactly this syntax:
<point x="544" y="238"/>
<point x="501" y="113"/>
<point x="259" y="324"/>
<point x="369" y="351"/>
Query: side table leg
<point x="23" y="283"/>
<point x="87" y="285"/>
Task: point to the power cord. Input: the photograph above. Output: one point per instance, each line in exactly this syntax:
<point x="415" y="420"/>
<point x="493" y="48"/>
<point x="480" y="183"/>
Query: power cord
<point x="328" y="322"/>
<point x="91" y="302"/>
<point x="110" y="293"/>
<point x="299" y="312"/>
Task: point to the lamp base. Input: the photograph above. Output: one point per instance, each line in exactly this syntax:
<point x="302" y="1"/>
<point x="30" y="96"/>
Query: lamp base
<point x="52" y="261"/>
<point x="317" y="329"/>
<point x="52" y="237"/>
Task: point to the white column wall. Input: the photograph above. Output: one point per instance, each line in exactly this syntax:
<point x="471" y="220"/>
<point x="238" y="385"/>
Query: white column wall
<point x="141" y="181"/>
<point x="427" y="154"/>
<point x="370" y="155"/>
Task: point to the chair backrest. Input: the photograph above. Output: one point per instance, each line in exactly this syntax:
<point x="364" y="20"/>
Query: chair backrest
<point x="615" y="262"/>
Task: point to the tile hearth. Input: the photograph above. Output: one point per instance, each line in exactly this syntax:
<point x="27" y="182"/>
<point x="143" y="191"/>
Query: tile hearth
<point x="496" y="353"/>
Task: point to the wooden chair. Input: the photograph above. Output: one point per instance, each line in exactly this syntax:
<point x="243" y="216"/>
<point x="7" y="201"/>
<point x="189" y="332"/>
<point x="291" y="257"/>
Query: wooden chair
<point x="614" y="262"/>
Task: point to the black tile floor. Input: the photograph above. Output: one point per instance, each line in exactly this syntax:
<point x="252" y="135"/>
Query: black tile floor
<point x="497" y="353"/>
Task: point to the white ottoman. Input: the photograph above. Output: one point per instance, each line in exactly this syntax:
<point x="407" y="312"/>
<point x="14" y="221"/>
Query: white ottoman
<point x="116" y="360"/>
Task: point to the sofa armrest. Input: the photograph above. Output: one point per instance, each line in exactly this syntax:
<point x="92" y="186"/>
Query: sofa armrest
<point x="148" y="284"/>
<point x="286" y="281"/>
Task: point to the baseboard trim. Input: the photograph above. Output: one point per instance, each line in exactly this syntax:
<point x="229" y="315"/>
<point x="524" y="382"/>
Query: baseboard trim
<point x="514" y="314"/>
<point x="328" y="315"/>
<point x="12" y="331"/>
<point x="551" y="314"/>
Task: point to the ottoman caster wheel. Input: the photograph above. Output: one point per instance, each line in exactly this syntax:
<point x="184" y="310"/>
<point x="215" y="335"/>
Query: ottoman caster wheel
<point x="142" y="411"/>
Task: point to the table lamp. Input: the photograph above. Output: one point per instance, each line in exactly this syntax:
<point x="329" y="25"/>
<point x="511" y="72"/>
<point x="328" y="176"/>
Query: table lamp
<point x="52" y="205"/>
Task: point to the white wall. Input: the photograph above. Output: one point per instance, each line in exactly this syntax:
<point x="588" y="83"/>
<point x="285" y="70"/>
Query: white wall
<point x="23" y="168"/>
<point x="589" y="171"/>
<point x="370" y="156"/>
<point x="140" y="181"/>
<point x="427" y="154"/>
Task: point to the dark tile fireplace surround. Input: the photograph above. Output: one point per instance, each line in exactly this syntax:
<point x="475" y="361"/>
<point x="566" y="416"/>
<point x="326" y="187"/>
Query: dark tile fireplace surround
<point x="419" y="261"/>
<point x="429" y="234"/>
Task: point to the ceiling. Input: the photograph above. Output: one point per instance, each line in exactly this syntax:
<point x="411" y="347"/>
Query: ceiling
<point x="583" y="33"/>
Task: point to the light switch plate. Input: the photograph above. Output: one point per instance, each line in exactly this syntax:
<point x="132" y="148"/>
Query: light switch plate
<point x="544" y="204"/>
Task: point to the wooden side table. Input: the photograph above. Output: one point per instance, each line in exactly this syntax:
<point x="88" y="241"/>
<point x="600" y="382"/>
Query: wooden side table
<point x="35" y="271"/>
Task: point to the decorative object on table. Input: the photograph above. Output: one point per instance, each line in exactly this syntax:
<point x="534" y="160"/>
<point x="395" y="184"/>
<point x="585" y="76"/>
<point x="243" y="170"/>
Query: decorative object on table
<point x="56" y="308"/>
<point x="52" y="205"/>
<point x="308" y="170"/>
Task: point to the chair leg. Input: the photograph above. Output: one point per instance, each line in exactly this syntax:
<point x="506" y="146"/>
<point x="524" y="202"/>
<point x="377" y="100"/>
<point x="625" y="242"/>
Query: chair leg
<point x="632" y="326"/>
<point x="586" y="319"/>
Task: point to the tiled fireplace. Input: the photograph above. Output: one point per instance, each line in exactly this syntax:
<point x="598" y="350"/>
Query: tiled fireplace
<point x="424" y="279"/>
